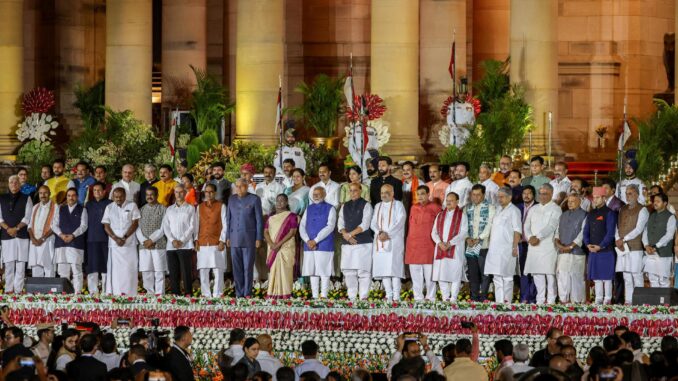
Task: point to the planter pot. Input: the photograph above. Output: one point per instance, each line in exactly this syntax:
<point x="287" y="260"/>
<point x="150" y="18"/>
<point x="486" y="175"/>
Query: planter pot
<point x="331" y="142"/>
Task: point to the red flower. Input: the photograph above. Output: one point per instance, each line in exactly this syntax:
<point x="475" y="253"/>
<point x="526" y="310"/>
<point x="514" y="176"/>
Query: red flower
<point x="38" y="100"/>
<point x="550" y="309"/>
<point x="232" y="302"/>
<point x="375" y="108"/>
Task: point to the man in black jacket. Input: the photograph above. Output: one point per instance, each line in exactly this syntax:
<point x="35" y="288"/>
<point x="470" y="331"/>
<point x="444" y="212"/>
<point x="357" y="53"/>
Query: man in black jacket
<point x="179" y="361"/>
<point x="385" y="177"/>
<point x="137" y="359"/>
<point x="86" y="367"/>
<point x="542" y="357"/>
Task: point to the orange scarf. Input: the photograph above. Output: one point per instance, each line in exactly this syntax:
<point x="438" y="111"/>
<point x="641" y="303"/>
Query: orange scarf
<point x="48" y="221"/>
<point x="413" y="189"/>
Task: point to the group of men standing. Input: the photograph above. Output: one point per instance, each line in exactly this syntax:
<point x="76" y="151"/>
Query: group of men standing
<point x="544" y="233"/>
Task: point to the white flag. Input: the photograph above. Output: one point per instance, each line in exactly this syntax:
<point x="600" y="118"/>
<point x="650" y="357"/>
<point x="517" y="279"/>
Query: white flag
<point x="626" y="134"/>
<point x="348" y="89"/>
<point x="173" y="131"/>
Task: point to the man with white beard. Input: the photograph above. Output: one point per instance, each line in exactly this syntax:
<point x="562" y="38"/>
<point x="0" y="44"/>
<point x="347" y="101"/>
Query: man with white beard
<point x="540" y="227"/>
<point x="502" y="252"/>
<point x="317" y="233"/>
<point x="356" y="245"/>
<point x="388" y="250"/>
<point x="41" y="250"/>
<point x="449" y="234"/>
<point x="15" y="214"/>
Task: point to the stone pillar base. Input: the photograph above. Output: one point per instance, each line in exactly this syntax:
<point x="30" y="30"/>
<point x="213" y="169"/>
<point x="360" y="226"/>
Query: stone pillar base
<point x="404" y="147"/>
<point x="8" y="147"/>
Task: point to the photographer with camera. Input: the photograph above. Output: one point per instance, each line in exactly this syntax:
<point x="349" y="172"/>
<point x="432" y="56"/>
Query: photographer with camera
<point x="409" y="346"/>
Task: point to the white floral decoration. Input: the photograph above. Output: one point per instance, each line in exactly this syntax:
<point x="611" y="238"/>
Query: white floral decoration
<point x="37" y="126"/>
<point x="380" y="126"/>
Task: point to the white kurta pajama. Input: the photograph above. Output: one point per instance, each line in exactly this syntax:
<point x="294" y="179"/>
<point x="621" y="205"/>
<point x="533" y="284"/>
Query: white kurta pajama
<point x="388" y="257"/>
<point x="630" y="262"/>
<point x="462" y="188"/>
<point x="500" y="261"/>
<point x="491" y="192"/>
<point x="123" y="261"/>
<point x="658" y="268"/>
<point x="41" y="258"/>
<point x="331" y="192"/>
<point x="69" y="259"/>
<point x="448" y="272"/>
<point x="570" y="270"/>
<point x="15" y="255"/>
<point x="318" y="264"/>
<point x="356" y="260"/>
<point x="542" y="222"/>
<point x="210" y="258"/>
<point x="152" y="262"/>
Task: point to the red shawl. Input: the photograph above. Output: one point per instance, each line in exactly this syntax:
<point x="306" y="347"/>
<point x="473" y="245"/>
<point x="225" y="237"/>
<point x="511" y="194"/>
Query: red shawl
<point x="454" y="230"/>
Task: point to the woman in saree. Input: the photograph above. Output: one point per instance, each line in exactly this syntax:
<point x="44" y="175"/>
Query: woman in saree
<point x="354" y="176"/>
<point x="298" y="192"/>
<point x="280" y="231"/>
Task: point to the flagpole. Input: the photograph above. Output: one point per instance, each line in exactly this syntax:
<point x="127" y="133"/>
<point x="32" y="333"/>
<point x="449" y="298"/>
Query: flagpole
<point x="174" y="141"/>
<point x="280" y="123"/>
<point x="454" y="76"/>
<point x="620" y="151"/>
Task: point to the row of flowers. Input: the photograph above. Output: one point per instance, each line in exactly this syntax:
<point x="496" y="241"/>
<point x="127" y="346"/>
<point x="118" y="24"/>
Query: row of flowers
<point x="50" y="301"/>
<point x="278" y="317"/>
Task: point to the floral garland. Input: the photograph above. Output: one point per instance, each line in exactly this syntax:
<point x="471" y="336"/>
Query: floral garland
<point x="469" y="99"/>
<point x="374" y="105"/>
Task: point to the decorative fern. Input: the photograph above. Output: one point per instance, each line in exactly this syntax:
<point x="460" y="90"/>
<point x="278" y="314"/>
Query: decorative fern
<point x="90" y="102"/>
<point x="658" y="142"/>
<point x="322" y="105"/>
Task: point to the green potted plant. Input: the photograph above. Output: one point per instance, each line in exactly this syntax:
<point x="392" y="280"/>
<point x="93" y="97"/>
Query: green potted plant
<point x="322" y="107"/>
<point x="210" y="102"/>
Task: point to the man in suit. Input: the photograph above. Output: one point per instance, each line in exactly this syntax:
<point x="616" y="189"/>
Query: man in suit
<point x="243" y="235"/>
<point x="178" y="359"/>
<point x="528" y="291"/>
<point x="137" y="359"/>
<point x="615" y="203"/>
<point x="86" y="367"/>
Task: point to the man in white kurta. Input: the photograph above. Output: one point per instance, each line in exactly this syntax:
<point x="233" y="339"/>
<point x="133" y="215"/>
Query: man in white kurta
<point x="127" y="182"/>
<point x="449" y="234"/>
<point x="658" y="240"/>
<point x="210" y="242"/>
<point x="121" y="219"/>
<point x="70" y="244"/>
<point x="41" y="249"/>
<point x="15" y="214"/>
<point x="461" y="185"/>
<point x="316" y="231"/>
<point x="628" y="242"/>
<point x="355" y="217"/>
<point x="152" y="244"/>
<point x="540" y="227"/>
<point x="331" y="187"/>
<point x="179" y="227"/>
<point x="269" y="190"/>
<point x="502" y="252"/>
<point x="561" y="183"/>
<point x="388" y="250"/>
<point x="491" y="188"/>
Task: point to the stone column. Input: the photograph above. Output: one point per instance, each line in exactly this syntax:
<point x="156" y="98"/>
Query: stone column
<point x="395" y="72"/>
<point x="675" y="67"/>
<point x="184" y="36"/>
<point x="260" y="59"/>
<point x="534" y="61"/>
<point x="129" y="56"/>
<point x="11" y="72"/>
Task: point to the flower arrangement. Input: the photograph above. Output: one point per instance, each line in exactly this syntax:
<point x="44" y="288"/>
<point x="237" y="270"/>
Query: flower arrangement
<point x="601" y="130"/>
<point x="37" y="101"/>
<point x="36" y="131"/>
<point x="373" y="108"/>
<point x="475" y="102"/>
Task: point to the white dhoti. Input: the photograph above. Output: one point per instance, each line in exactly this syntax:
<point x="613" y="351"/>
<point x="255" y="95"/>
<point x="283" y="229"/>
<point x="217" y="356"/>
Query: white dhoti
<point x="318" y="265"/>
<point x="356" y="264"/>
<point x="69" y="265"/>
<point x="542" y="222"/>
<point x="123" y="263"/>
<point x="210" y="258"/>
<point x="630" y="263"/>
<point x="41" y="259"/>
<point x="570" y="269"/>
<point x="658" y="270"/>
<point x="153" y="266"/>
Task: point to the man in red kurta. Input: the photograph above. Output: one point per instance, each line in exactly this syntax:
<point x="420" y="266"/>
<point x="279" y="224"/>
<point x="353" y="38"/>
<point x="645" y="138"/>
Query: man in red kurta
<point x="420" y="247"/>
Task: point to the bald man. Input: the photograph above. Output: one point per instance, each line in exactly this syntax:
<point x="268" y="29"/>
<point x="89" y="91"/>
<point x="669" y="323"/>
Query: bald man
<point x="436" y="186"/>
<point x="127" y="182"/>
<point x="388" y="249"/>
<point x="267" y="361"/>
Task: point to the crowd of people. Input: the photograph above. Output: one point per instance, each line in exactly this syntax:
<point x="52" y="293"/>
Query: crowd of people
<point x="545" y="236"/>
<point x="86" y="353"/>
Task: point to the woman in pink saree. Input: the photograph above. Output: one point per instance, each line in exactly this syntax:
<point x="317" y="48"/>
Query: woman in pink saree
<point x="279" y="232"/>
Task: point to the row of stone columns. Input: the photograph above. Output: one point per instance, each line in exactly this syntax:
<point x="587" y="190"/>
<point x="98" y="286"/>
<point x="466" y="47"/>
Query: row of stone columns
<point x="260" y="59"/>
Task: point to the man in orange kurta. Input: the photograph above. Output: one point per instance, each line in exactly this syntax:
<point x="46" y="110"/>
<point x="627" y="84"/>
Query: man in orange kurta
<point x="210" y="242"/>
<point x="420" y="247"/>
<point x="436" y="186"/>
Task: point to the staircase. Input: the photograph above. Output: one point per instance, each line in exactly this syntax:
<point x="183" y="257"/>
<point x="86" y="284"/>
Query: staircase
<point x="591" y="171"/>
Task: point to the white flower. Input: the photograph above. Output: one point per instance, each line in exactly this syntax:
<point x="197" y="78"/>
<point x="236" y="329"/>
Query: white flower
<point x="37" y="127"/>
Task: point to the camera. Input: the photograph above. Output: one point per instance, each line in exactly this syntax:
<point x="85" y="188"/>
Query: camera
<point x="157" y="338"/>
